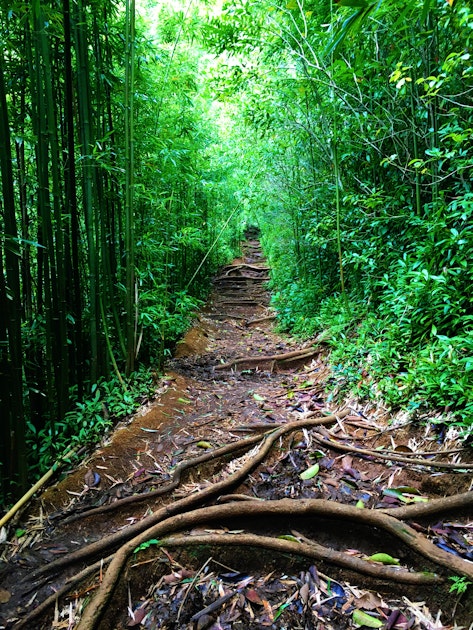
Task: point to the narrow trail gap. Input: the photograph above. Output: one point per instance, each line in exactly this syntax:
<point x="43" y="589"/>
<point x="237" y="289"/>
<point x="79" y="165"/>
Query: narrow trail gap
<point x="233" y="377"/>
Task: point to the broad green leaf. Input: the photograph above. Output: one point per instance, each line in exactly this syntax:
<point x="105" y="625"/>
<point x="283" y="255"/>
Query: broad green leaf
<point x="310" y="472"/>
<point x="361" y="618"/>
<point x="360" y="504"/>
<point x="258" y="397"/>
<point x="384" y="558"/>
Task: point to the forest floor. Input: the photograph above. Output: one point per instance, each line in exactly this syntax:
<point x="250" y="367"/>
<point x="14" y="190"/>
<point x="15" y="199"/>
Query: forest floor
<point x="241" y="497"/>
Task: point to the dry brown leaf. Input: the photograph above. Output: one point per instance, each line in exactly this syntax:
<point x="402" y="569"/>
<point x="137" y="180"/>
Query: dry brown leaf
<point x="369" y="601"/>
<point x="252" y="596"/>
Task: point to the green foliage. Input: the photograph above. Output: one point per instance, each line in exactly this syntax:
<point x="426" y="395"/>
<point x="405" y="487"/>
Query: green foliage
<point x="90" y="419"/>
<point x="146" y="545"/>
<point x="360" y="132"/>
<point x="119" y="195"/>
<point x="460" y="585"/>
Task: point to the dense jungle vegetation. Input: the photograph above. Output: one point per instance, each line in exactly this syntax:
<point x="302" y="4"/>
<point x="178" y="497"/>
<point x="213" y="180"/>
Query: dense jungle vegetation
<point x="137" y="142"/>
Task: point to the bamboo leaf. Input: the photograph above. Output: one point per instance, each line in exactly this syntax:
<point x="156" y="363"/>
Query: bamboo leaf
<point x="425" y="10"/>
<point x="310" y="472"/>
<point x="384" y="558"/>
<point x="349" y="27"/>
<point x="289" y="537"/>
<point x="361" y="618"/>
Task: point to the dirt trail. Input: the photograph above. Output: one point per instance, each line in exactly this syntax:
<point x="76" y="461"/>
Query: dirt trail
<point x="234" y="378"/>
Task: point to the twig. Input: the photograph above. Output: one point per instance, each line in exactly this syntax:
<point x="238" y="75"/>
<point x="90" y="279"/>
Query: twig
<point x="191" y="585"/>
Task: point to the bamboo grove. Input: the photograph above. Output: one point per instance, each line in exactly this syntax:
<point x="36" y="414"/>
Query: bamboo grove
<point x="361" y="117"/>
<point x="102" y="227"/>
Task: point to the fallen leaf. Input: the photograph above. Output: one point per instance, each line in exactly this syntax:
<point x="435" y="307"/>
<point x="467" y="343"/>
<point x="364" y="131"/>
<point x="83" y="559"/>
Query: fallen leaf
<point x="361" y="618"/>
<point x="91" y="478"/>
<point x="252" y="596"/>
<point x="403" y="448"/>
<point x="138" y="616"/>
<point x="369" y="601"/>
<point x="304" y="593"/>
<point x="289" y="537"/>
<point x="310" y="472"/>
<point x="4" y="596"/>
<point x="384" y="558"/>
<point x="204" y="444"/>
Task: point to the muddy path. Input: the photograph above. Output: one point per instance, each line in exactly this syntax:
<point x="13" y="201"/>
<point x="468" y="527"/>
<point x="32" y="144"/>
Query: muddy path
<point x="244" y="497"/>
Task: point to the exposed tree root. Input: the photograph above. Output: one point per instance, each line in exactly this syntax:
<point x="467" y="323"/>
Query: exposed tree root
<point x="308" y="548"/>
<point x="241" y="277"/>
<point x="460" y="501"/>
<point x="185" y="513"/>
<point x="232" y="268"/>
<point x="393" y="457"/>
<point x="261" y="320"/>
<point x="176" y="478"/>
<point x="279" y="508"/>
<point x="69" y="584"/>
<point x="304" y="353"/>
<point x="181" y="505"/>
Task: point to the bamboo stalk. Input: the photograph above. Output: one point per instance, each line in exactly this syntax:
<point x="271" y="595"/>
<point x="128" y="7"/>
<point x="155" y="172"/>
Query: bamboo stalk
<point x="27" y="496"/>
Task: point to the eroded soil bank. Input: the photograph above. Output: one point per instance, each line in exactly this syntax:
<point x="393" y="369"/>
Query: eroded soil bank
<point x="242" y="498"/>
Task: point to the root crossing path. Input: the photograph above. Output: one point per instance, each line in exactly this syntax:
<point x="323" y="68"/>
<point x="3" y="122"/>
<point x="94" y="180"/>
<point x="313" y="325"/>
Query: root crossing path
<point x="243" y="497"/>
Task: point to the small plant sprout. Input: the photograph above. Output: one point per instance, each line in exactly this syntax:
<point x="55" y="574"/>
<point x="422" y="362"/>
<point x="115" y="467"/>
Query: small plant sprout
<point x="459" y="584"/>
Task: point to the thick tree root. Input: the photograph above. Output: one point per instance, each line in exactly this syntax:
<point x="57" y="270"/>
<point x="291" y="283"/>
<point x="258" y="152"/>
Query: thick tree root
<point x="181" y="505"/>
<point x="260" y="320"/>
<point x="70" y="583"/>
<point x="185" y="513"/>
<point x="460" y="501"/>
<point x="233" y="268"/>
<point x="308" y="548"/>
<point x="173" y="484"/>
<point x="304" y="353"/>
<point x="393" y="457"/>
<point x="272" y="509"/>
